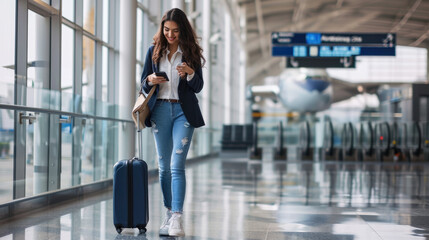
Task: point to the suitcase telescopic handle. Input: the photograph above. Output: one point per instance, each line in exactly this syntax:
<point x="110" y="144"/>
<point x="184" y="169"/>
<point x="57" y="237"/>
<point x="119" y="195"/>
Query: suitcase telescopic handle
<point x="139" y="136"/>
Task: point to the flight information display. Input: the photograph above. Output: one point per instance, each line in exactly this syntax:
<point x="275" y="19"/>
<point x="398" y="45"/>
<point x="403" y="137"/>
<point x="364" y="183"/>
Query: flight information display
<point x="358" y="39"/>
<point x="333" y="44"/>
<point x="331" y="51"/>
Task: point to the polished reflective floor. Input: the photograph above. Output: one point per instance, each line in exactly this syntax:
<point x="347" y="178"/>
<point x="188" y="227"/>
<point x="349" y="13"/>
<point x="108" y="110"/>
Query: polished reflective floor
<point x="242" y="199"/>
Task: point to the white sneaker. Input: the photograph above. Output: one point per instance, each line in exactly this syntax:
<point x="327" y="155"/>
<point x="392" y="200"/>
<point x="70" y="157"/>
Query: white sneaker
<point x="163" y="230"/>
<point x="176" y="226"/>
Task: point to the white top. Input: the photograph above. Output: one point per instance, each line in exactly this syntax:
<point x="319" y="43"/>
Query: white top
<point x="168" y="89"/>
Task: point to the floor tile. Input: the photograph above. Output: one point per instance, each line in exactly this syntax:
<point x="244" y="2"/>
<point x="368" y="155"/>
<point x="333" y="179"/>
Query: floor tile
<point x="241" y="199"/>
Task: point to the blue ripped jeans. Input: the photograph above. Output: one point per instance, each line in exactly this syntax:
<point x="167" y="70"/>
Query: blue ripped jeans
<point x="173" y="135"/>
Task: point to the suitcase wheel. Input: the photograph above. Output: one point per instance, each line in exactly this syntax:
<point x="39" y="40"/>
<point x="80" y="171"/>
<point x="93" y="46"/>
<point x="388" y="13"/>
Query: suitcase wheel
<point x="142" y="230"/>
<point x="119" y="230"/>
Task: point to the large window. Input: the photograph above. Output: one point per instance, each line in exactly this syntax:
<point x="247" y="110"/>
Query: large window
<point x="68" y="9"/>
<point x="62" y="92"/>
<point x="67" y="67"/>
<point x="105" y="75"/>
<point x="89" y="16"/>
<point x="61" y="62"/>
<point x="106" y="6"/>
<point x="7" y="78"/>
<point x="6" y="155"/>
<point x="88" y="75"/>
<point x="38" y="51"/>
<point x="7" y="46"/>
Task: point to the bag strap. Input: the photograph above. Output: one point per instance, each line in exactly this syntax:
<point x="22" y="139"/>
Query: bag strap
<point x="152" y="90"/>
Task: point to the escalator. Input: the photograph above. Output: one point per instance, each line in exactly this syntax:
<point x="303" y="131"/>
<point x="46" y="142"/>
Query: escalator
<point x="305" y="151"/>
<point x="366" y="151"/>
<point x="382" y="142"/>
<point x="415" y="142"/>
<point x="347" y="151"/>
<point x="328" y="152"/>
<point x="400" y="142"/>
<point x="425" y="141"/>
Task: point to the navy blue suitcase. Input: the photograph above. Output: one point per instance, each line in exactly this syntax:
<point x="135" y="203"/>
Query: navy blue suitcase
<point x="130" y="195"/>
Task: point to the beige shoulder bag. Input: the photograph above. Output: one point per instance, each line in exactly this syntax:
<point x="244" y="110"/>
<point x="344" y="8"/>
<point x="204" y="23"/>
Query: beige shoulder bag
<point x="142" y="107"/>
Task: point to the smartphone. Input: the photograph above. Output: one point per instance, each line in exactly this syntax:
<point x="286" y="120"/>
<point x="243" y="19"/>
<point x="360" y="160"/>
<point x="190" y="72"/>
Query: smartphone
<point x="162" y="74"/>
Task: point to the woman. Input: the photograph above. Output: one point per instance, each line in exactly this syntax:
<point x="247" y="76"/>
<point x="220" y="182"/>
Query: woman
<point x="174" y="107"/>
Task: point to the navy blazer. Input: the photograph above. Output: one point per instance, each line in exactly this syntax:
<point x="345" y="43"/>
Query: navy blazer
<point x="186" y="90"/>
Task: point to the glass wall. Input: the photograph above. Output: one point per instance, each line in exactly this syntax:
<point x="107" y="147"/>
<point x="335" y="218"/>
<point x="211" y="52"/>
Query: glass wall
<point x="38" y="51"/>
<point x="61" y="142"/>
<point x="7" y="43"/>
<point x="59" y="97"/>
<point x="67" y="61"/>
<point x="89" y="16"/>
<point x="7" y="61"/>
<point x="7" y="140"/>
<point x="105" y="74"/>
<point x="106" y="27"/>
<point x="68" y="9"/>
<point x="88" y="75"/>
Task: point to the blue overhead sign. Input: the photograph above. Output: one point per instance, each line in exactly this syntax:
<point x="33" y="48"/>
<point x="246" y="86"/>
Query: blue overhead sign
<point x="331" y="51"/>
<point x="333" y="44"/>
<point x="349" y="39"/>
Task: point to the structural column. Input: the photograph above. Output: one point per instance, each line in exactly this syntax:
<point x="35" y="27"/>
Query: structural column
<point x="227" y="64"/>
<point x="41" y="98"/>
<point x="207" y="90"/>
<point x="243" y="63"/>
<point x="21" y="37"/>
<point x="127" y="75"/>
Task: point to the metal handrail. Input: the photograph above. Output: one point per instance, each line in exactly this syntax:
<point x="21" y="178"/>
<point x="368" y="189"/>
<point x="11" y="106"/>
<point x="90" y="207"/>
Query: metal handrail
<point x="58" y="112"/>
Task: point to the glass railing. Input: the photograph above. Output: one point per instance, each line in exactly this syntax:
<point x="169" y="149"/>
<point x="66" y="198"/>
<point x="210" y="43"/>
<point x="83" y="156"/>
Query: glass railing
<point x="65" y="140"/>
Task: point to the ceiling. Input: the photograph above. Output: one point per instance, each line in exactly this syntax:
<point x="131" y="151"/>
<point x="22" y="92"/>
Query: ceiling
<point x="409" y="19"/>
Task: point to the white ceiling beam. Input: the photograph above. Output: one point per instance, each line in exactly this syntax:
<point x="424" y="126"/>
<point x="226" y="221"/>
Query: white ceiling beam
<point x="259" y="78"/>
<point x="235" y="20"/>
<point x="267" y="11"/>
<point x="298" y="11"/>
<point x="276" y="2"/>
<point x="387" y="9"/>
<point x="241" y="2"/>
<point x="253" y="44"/>
<point x="261" y="65"/>
<point x="261" y="28"/>
<point x="358" y="16"/>
<point x="406" y="16"/>
<point x="351" y="26"/>
<point x="420" y="39"/>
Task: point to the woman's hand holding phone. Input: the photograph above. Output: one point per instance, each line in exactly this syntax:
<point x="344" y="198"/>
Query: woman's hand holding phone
<point x="157" y="78"/>
<point x="184" y="69"/>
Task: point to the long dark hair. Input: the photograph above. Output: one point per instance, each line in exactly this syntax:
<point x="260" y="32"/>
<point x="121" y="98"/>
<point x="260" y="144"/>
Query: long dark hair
<point x="192" y="52"/>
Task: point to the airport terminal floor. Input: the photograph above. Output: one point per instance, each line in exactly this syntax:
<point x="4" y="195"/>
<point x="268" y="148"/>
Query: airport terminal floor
<point x="238" y="198"/>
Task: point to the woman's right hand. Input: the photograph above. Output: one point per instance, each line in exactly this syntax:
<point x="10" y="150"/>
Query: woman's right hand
<point x="155" y="79"/>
